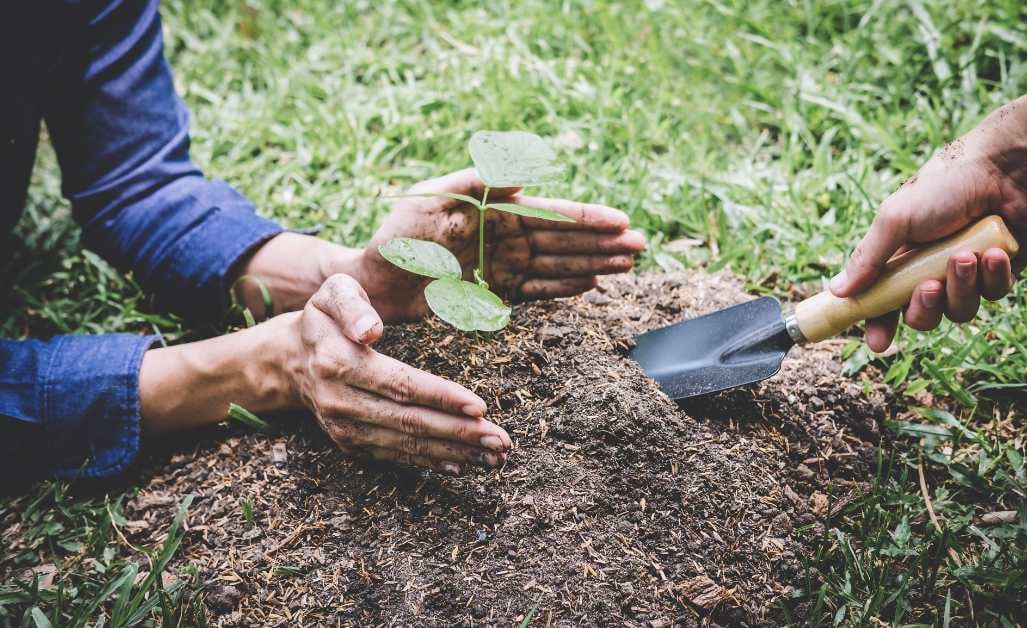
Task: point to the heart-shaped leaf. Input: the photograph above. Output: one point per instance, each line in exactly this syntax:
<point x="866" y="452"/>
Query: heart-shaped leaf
<point x="421" y="257"/>
<point x="513" y="158"/>
<point x="531" y="212"/>
<point x="466" y="306"/>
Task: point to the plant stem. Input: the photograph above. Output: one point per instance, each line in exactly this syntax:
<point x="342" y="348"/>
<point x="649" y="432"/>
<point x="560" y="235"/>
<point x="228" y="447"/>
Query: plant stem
<point x="481" y="237"/>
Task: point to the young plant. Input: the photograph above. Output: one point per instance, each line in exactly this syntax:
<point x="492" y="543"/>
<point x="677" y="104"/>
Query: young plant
<point x="503" y="160"/>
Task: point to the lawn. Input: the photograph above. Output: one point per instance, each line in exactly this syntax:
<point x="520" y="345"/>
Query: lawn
<point x="754" y="136"/>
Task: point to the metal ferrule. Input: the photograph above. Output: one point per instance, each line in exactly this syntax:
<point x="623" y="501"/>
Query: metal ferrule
<point x="792" y="325"/>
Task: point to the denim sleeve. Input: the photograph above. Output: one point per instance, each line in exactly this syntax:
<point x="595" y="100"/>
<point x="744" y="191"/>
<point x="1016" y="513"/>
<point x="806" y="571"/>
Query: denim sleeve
<point x="70" y="406"/>
<point x="121" y="136"/>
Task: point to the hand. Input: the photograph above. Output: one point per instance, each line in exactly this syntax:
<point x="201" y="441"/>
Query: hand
<point x="526" y="258"/>
<point x="983" y="173"/>
<point x="371" y="404"/>
<point x="321" y="359"/>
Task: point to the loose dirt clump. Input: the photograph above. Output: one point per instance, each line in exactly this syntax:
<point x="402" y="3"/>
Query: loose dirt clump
<point x="616" y="506"/>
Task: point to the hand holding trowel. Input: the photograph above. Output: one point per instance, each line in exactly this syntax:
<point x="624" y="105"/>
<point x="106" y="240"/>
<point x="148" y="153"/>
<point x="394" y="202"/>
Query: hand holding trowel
<point x="746" y="343"/>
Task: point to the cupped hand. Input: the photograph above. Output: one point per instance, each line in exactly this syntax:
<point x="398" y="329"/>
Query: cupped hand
<point x="527" y="258"/>
<point x="969" y="179"/>
<point x="373" y="405"/>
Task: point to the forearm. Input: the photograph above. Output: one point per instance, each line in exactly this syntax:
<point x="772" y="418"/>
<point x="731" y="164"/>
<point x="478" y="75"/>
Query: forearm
<point x="191" y="385"/>
<point x="291" y="267"/>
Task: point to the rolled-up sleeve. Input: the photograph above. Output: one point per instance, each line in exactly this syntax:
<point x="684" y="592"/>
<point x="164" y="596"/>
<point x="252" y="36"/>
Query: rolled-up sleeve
<point x="121" y="135"/>
<point x="70" y="406"/>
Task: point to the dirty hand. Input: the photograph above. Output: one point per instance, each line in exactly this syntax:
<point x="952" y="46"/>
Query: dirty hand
<point x="985" y="172"/>
<point x="527" y="258"/>
<point x="373" y="405"/>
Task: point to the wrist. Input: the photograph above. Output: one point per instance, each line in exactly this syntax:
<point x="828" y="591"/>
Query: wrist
<point x="291" y="267"/>
<point x="278" y="355"/>
<point x="193" y="384"/>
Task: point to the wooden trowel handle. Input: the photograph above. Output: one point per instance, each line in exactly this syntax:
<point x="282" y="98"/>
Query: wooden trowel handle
<point x="825" y="315"/>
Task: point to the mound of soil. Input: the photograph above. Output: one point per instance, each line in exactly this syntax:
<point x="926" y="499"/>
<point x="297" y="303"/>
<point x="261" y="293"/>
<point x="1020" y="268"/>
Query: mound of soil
<point x="616" y="506"/>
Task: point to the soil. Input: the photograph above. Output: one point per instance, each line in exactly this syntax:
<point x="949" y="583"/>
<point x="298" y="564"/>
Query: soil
<point x="617" y="506"/>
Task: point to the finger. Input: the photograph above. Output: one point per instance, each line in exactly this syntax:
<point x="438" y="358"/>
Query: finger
<point x="995" y="275"/>
<point x="534" y="289"/>
<point x="409" y="386"/>
<point x="577" y="265"/>
<point x="962" y="298"/>
<point x="889" y="231"/>
<point x="415" y="421"/>
<point x="926" y="305"/>
<point x="464" y="181"/>
<point x="587" y="216"/>
<point x="548" y="241"/>
<point x="1020" y="261"/>
<point x="881" y="331"/>
<point x="346" y="303"/>
<point x="398" y="457"/>
<point x="434" y="449"/>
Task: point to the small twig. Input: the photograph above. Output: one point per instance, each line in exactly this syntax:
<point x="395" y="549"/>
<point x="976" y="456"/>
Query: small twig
<point x="295" y="534"/>
<point x="930" y="508"/>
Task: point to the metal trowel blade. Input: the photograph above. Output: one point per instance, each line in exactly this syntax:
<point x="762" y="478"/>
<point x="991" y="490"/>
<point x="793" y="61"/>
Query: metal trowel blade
<point x="735" y="346"/>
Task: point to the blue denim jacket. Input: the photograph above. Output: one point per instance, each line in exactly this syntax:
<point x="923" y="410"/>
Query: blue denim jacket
<point x="95" y="72"/>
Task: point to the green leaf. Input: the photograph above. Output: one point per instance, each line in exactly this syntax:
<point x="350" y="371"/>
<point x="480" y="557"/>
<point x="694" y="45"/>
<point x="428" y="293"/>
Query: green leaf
<point x="513" y="158"/>
<point x="855" y="362"/>
<point x="899" y="370"/>
<point x="421" y="257"/>
<point x="901" y="534"/>
<point x="839" y="615"/>
<point x="40" y="619"/>
<point x="946" y="418"/>
<point x="921" y="429"/>
<point x="466" y="306"/>
<point x="850" y="348"/>
<point x="287" y="571"/>
<point x="246" y="417"/>
<point x="667" y="262"/>
<point x="530" y="212"/>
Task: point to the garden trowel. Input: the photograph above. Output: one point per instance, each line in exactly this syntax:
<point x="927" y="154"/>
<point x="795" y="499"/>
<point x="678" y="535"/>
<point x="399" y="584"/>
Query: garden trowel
<point x="746" y="343"/>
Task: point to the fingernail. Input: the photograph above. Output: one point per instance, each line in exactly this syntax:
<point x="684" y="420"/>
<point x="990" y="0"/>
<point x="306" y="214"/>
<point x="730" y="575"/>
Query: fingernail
<point x="930" y="299"/>
<point x="838" y="281"/>
<point x="474" y="409"/>
<point x="365" y="325"/>
<point x="491" y="460"/>
<point x="965" y="270"/>
<point x="451" y="468"/>
<point x="492" y="442"/>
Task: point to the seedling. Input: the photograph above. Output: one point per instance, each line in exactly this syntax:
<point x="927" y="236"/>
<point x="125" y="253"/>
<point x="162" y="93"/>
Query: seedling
<point x="503" y="159"/>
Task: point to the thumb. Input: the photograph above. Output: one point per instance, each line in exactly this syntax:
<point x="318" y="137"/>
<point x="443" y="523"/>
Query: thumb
<point x="346" y="303"/>
<point x="889" y="231"/>
<point x="464" y="181"/>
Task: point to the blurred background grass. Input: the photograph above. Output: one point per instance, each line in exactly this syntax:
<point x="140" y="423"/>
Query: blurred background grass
<point x="754" y="136"/>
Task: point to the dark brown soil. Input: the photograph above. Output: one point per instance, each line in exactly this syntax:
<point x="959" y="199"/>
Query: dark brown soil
<point x="615" y="507"/>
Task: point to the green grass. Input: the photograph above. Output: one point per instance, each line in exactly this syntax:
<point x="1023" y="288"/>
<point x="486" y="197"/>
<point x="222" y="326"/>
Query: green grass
<point x="766" y="130"/>
<point x="97" y="571"/>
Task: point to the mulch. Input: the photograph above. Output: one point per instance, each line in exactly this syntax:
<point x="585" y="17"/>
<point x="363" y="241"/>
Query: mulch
<point x="616" y="506"/>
